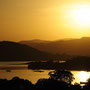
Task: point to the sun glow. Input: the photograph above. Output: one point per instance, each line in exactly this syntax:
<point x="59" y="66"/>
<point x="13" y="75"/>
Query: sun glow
<point x="78" y="16"/>
<point x="81" y="15"/>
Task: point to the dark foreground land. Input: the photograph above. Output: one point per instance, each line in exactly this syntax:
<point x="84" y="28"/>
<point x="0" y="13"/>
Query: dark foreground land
<point x="42" y="84"/>
<point x="58" y="80"/>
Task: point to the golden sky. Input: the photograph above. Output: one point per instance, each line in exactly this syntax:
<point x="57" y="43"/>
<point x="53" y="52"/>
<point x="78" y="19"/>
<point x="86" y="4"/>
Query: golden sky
<point x="44" y="19"/>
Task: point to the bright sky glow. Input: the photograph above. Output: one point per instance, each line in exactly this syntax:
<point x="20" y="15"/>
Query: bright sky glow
<point x="78" y="17"/>
<point x="44" y="19"/>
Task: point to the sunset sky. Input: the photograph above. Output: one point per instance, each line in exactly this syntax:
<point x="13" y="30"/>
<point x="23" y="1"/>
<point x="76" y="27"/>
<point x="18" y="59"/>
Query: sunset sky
<point x="44" y="19"/>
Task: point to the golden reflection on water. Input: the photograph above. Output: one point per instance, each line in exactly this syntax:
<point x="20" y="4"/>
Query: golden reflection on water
<point x="81" y="76"/>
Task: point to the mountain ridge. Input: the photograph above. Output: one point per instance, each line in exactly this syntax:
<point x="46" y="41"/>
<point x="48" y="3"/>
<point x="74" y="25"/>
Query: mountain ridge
<point x="79" y="47"/>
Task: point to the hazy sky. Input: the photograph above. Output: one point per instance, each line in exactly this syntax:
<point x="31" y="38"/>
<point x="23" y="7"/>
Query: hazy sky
<point x="44" y="19"/>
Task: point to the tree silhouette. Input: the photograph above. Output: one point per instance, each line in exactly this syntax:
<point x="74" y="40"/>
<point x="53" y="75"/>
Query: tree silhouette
<point x="63" y="75"/>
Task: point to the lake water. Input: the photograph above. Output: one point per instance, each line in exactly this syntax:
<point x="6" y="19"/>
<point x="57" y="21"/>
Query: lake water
<point x="20" y="70"/>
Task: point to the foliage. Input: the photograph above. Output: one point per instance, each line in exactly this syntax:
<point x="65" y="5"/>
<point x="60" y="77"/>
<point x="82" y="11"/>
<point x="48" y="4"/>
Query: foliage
<point x="63" y="75"/>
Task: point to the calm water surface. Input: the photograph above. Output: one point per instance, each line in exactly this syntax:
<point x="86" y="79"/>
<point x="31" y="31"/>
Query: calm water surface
<point x="20" y="70"/>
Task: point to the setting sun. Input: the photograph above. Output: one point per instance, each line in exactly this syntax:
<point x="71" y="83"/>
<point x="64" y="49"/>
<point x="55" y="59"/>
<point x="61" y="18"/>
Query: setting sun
<point x="77" y="16"/>
<point x="81" y="15"/>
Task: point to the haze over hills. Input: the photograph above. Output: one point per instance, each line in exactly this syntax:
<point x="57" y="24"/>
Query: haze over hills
<point x="36" y="41"/>
<point x="79" y="47"/>
<point x="12" y="51"/>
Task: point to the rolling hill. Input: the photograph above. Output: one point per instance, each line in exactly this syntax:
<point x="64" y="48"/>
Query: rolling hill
<point x="77" y="47"/>
<point x="12" y="51"/>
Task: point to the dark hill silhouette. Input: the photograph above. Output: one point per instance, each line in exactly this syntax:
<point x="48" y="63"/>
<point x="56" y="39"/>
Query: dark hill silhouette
<point x="12" y="51"/>
<point x="79" y="47"/>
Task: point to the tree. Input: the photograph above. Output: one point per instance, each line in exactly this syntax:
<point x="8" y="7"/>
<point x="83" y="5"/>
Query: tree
<point x="63" y="75"/>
